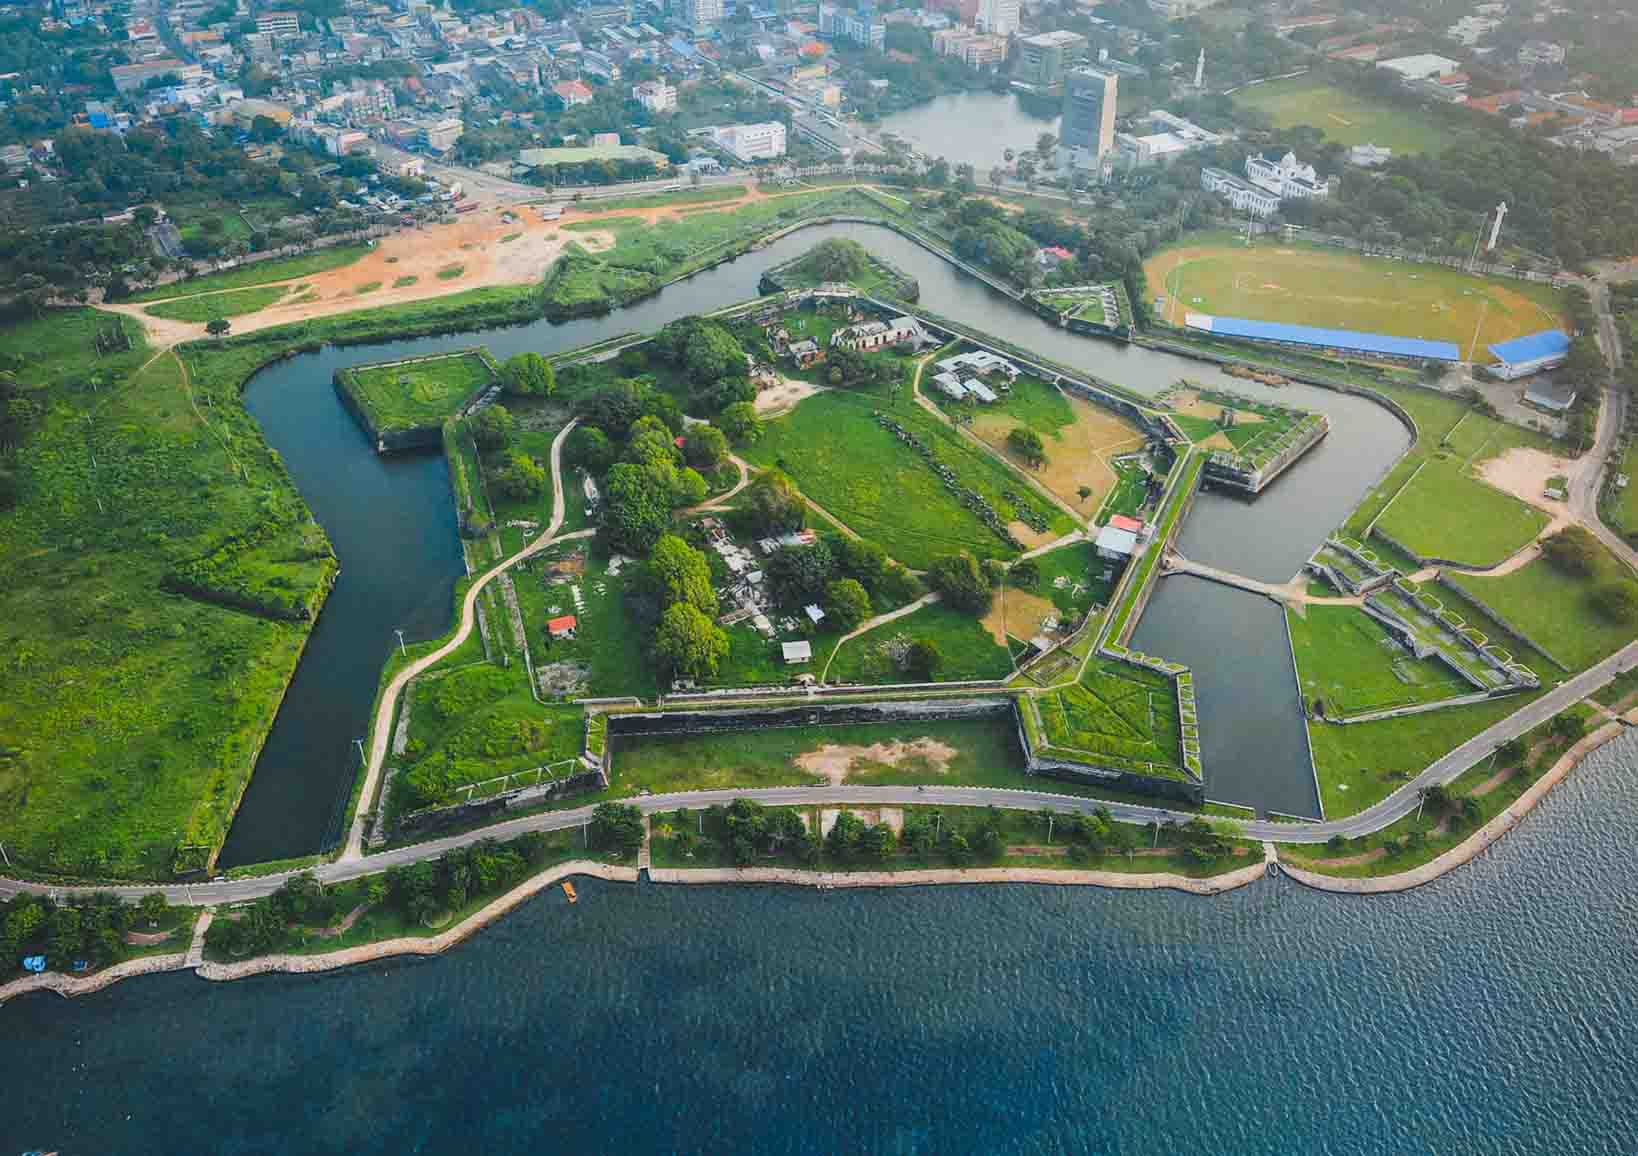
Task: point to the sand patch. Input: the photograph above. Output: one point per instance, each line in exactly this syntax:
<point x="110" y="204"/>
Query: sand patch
<point x="1018" y="613"/>
<point x="872" y="816"/>
<point x="833" y="761"/>
<point x="1217" y="441"/>
<point x="1523" y="472"/>
<point x="785" y="396"/>
<point x="1187" y="401"/>
<point x="1029" y="536"/>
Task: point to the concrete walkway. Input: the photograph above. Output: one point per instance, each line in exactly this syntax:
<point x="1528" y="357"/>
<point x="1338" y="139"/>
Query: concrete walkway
<point x="1294" y="591"/>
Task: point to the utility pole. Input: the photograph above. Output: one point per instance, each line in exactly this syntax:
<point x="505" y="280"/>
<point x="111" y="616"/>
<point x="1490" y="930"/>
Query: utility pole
<point x="1049" y="830"/>
<point x="362" y="757"/>
<point x="402" y="653"/>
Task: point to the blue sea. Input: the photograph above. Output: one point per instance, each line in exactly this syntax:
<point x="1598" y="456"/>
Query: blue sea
<point x="1495" y="1011"/>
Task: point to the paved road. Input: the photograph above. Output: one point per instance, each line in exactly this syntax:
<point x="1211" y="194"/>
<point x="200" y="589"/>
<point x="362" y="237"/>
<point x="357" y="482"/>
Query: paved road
<point x="1391" y="809"/>
<point x="1588" y="482"/>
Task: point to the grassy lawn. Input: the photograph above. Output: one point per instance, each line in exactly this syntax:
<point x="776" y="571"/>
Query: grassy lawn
<point x="1444" y="512"/>
<point x="1116" y="712"/>
<point x="610" y="643"/>
<point x="1073" y="580"/>
<point x="1344" y="116"/>
<point x="985" y="754"/>
<point x="422" y="393"/>
<point x="258" y="273"/>
<point x="857" y="469"/>
<point x="1349" y="660"/>
<point x="1551" y="606"/>
<point x="132" y="717"/>
<point x="1364" y="763"/>
<point x="1309" y="284"/>
<point x="1622" y="510"/>
<point x="663" y="200"/>
<point x="969" y="650"/>
<point x="234" y="303"/>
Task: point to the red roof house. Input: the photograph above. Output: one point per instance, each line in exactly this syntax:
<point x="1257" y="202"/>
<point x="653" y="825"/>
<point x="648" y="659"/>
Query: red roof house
<point x="561" y="627"/>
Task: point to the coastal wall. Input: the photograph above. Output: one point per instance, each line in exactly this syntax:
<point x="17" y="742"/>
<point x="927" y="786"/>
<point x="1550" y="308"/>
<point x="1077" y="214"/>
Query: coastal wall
<point x="1223" y="469"/>
<point x="411" y="437"/>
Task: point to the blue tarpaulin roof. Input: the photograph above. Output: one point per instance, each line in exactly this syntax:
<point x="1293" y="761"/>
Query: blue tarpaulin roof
<point x="1336" y="338"/>
<point x="1547" y="343"/>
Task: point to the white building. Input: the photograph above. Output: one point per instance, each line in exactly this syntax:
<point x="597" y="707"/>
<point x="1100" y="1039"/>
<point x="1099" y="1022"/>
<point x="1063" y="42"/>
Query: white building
<point x="655" y="95"/>
<point x="753" y="142"/>
<point x="858" y="26"/>
<point x="1425" y="66"/>
<point x="997" y="17"/>
<point x="1287" y="178"/>
<point x="1539" y="52"/>
<point x="1470" y="29"/>
<point x="1369" y="156"/>
<point x="278" y="24"/>
<point x="1242" y="196"/>
<point x="1170" y="137"/>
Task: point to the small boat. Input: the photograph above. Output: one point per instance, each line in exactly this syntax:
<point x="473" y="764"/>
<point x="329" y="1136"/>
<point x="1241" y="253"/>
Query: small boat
<point x="568" y="889"/>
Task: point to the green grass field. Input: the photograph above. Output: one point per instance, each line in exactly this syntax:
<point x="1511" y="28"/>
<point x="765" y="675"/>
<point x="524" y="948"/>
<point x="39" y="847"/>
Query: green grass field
<point x="1348" y="660"/>
<point x="258" y="273"/>
<point x="132" y="717"/>
<point x="969" y="651"/>
<point x="1551" y="606"/>
<point x="1307" y="284"/>
<point x="234" y="303"/>
<point x="665" y="200"/>
<point x="1363" y="763"/>
<point x="1349" y="118"/>
<point x="842" y="458"/>
<point x="422" y="393"/>
<point x="1117" y="712"/>
<point x="1444" y="512"/>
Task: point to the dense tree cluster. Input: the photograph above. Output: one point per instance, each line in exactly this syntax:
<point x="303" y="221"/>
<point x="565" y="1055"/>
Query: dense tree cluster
<point x="91" y="932"/>
<point x="962" y="582"/>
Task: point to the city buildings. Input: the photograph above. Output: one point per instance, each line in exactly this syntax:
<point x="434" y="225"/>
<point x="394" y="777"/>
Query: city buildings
<point x="655" y="95"/>
<point x="859" y="26"/>
<point x="1087" y="133"/>
<point x="969" y="47"/>
<point x="1425" y="66"/>
<point x="1167" y="137"/>
<point x="752" y="142"/>
<point x="1041" y="59"/>
<point x="1242" y="196"/>
<point x="278" y="24"/>
<point x="1286" y="177"/>
<point x="997" y="17"/>
<point x="698" y="14"/>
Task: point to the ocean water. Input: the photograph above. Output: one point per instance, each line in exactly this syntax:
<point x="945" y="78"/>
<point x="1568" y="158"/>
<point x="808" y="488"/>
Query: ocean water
<point x="1490" y="1012"/>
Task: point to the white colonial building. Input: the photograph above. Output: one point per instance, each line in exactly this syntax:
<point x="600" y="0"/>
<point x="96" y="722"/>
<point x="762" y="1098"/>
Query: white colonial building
<point x="1242" y="196"/>
<point x="1287" y="178"/>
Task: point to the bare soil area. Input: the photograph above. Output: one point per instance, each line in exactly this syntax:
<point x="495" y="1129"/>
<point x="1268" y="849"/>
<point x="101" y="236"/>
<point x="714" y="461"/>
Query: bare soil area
<point x="833" y="761"/>
<point x="1018" y="613"/>
<point x="472" y="243"/>
<point x="1077" y="456"/>
<point x="785" y="396"/>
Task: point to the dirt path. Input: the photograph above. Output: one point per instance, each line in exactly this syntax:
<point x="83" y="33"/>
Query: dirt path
<point x="427" y="258"/>
<point x="870" y="624"/>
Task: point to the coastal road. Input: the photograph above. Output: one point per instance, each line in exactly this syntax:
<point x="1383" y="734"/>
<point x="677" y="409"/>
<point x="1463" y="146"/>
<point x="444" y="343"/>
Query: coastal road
<point x="1588" y="482"/>
<point x="1401" y="803"/>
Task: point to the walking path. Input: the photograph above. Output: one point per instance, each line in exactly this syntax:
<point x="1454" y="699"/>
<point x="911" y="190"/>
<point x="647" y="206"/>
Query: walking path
<point x="1293" y="591"/>
<point x="381" y="728"/>
<point x="870" y="624"/>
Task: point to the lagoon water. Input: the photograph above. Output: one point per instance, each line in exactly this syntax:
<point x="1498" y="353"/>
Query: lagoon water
<point x="1489" y="1012"/>
<point x="974" y="128"/>
<point x="393" y="528"/>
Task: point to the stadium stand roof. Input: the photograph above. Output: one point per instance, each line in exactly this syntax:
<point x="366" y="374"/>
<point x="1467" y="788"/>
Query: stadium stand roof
<point x="1533" y="346"/>
<point x="1328" y="338"/>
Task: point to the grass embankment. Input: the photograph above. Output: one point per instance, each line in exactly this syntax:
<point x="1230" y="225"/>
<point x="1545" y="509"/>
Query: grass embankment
<point x="133" y="716"/>
<point x="1307" y="284"/>
<point x="1118" y="715"/>
<point x="1349" y="661"/>
<point x="1343" y="115"/>
<point x="1444" y="512"/>
<point x="235" y="303"/>
<point x="645" y="256"/>
<point x="847" y="461"/>
<point x="662" y="200"/>
<point x="693" y="839"/>
<point x="417" y="395"/>
<point x="1552" y="607"/>
<point x="1492" y="786"/>
<point x="258" y="273"/>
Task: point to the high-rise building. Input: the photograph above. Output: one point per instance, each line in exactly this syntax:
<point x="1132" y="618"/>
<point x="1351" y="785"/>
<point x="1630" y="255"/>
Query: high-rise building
<point x="698" y="13"/>
<point x="997" y="17"/>
<point x="1088" y="130"/>
<point x="1041" y="58"/>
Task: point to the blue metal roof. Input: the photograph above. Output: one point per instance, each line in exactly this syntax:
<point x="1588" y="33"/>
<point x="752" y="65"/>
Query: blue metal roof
<point x="1547" y="343"/>
<point x="1337" y="338"/>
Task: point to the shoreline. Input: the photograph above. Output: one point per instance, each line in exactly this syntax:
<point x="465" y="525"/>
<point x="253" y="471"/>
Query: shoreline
<point x="69" y="986"/>
<point x="1468" y="849"/>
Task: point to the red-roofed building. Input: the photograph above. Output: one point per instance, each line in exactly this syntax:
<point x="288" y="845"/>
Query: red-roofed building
<point x="562" y="626"/>
<point x="1495" y="102"/>
<point x="1364" y="52"/>
<point x="573" y="92"/>
<point x="1122" y="522"/>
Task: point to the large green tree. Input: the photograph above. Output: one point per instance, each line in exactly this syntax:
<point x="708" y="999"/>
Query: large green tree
<point x="528" y="374"/>
<point x="776" y="504"/>
<point x="962" y="582"/>
<point x="677" y="573"/>
<point x="639" y="506"/>
<point x="688" y="644"/>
